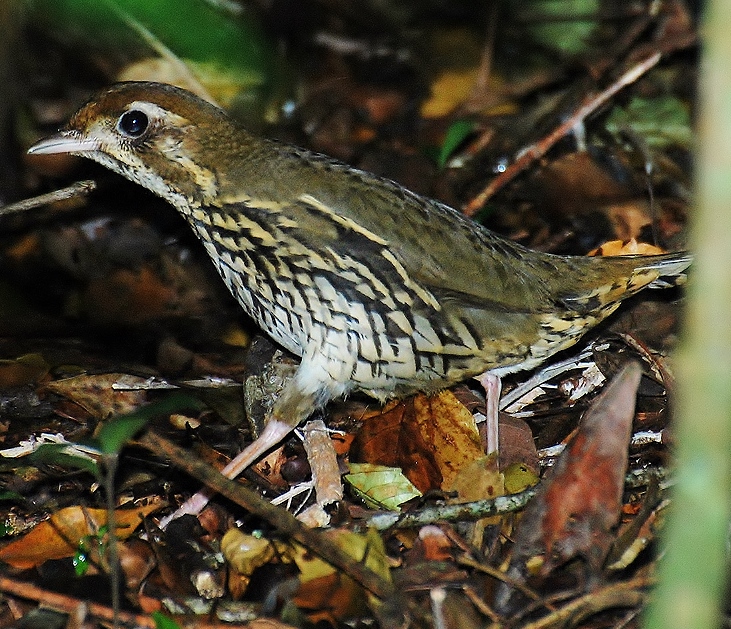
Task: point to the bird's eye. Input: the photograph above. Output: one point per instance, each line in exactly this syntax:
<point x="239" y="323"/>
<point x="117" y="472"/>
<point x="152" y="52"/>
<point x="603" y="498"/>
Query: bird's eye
<point x="133" y="123"/>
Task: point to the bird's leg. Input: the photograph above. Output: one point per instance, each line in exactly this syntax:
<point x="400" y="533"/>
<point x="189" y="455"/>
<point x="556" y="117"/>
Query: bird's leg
<point x="292" y="407"/>
<point x="492" y="386"/>
<point x="273" y="433"/>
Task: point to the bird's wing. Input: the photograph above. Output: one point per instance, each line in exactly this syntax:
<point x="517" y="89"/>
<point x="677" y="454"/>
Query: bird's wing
<point x="330" y="207"/>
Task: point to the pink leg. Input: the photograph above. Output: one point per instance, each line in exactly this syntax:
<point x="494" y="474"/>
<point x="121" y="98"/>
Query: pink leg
<point x="273" y="433"/>
<point x="492" y="385"/>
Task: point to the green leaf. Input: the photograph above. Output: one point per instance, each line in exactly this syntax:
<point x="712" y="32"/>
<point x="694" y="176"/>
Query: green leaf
<point x="163" y="622"/>
<point x="63" y="455"/>
<point x="116" y="432"/>
<point x="560" y="30"/>
<point x="80" y="561"/>
<point x="379" y="486"/>
<point x="13" y="496"/>
<point x="191" y="28"/>
<point x="661" y="121"/>
<point x="229" y="46"/>
<point x="457" y="133"/>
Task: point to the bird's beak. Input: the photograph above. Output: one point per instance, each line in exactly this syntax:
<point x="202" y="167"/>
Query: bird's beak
<point x="64" y="142"/>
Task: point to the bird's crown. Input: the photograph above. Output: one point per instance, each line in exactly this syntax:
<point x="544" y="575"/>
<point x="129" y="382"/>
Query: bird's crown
<point x="157" y="135"/>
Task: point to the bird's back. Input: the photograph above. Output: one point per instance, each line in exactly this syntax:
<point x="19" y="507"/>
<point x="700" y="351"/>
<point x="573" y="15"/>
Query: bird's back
<point x="397" y="292"/>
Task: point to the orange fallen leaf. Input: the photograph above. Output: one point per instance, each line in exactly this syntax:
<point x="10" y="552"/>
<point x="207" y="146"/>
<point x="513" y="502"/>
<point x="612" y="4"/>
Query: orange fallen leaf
<point x="431" y="438"/>
<point x="625" y="248"/>
<point x="60" y="535"/>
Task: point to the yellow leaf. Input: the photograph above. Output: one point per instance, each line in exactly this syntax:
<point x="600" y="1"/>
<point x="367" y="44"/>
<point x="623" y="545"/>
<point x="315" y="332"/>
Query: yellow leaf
<point x="451" y="432"/>
<point x="449" y="90"/>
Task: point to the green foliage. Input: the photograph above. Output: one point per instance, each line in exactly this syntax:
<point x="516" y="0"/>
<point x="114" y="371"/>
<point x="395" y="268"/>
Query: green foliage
<point x="89" y="546"/>
<point x="12" y="496"/>
<point x="457" y="133"/>
<point x="566" y="28"/>
<point x="116" y="432"/>
<point x="64" y="455"/>
<point x="163" y="622"/>
<point x="661" y="121"/>
<point x="192" y="29"/>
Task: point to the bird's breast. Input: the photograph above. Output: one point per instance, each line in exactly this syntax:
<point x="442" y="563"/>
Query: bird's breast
<point x="361" y="319"/>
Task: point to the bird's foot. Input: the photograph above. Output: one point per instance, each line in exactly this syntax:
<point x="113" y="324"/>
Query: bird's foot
<point x="274" y="432"/>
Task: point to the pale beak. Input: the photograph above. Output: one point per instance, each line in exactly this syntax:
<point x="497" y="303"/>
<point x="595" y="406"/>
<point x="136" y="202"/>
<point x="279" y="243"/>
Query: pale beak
<point x="64" y="142"/>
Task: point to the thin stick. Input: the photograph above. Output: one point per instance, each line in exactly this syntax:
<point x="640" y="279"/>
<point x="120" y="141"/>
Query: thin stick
<point x="69" y="604"/>
<point x="161" y="49"/>
<point x="538" y="150"/>
<point x="78" y="189"/>
<point x="281" y="519"/>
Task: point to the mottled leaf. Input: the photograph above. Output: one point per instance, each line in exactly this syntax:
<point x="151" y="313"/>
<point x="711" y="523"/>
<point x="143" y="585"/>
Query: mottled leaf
<point x="379" y="486"/>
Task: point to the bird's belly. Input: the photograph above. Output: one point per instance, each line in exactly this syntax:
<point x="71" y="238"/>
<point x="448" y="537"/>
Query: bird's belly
<point x="350" y="343"/>
<point x="354" y="344"/>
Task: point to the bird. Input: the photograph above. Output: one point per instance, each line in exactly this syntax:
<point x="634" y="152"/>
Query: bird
<point x="375" y="288"/>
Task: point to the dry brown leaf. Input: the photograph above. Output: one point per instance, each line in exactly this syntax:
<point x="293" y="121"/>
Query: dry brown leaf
<point x="517" y="445"/>
<point x="576" y="183"/>
<point x="431" y="438"/>
<point x="580" y="501"/>
<point x="98" y="395"/>
<point x="23" y="370"/>
<point x="129" y="296"/>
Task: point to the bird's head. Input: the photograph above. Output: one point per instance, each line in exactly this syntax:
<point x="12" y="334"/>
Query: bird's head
<point x="159" y="136"/>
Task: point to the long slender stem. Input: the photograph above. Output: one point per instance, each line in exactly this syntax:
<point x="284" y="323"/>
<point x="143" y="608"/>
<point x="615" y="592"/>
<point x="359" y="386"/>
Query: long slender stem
<point x="692" y="576"/>
<point x="111" y="461"/>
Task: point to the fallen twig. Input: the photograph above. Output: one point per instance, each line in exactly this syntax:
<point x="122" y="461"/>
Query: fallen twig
<point x="623" y="594"/>
<point x="281" y="519"/>
<point x="70" y="604"/>
<point x="539" y="149"/>
<point x="78" y="189"/>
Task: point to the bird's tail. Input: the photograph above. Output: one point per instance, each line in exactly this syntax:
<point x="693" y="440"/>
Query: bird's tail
<point x="671" y="267"/>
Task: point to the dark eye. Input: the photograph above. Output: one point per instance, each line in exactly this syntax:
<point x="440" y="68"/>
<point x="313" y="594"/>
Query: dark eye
<point x="133" y="123"/>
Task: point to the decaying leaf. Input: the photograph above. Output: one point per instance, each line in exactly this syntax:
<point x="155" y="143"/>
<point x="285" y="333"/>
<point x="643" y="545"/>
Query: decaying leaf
<point x="579" y="503"/>
<point x="22" y="370"/>
<point x="431" y="438"/>
<point x="98" y="393"/>
<point x="379" y="486"/>
<point x="244" y="552"/>
<point x="479" y="480"/>
<point x="329" y="594"/>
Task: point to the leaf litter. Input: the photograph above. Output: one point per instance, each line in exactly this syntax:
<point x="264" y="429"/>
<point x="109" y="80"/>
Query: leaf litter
<point x="156" y="313"/>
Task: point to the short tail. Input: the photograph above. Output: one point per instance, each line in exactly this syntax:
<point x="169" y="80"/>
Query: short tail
<point x="672" y="268"/>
